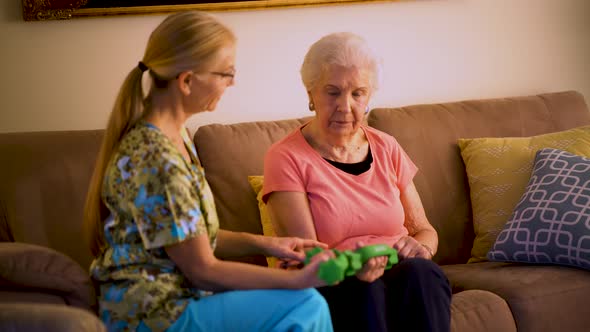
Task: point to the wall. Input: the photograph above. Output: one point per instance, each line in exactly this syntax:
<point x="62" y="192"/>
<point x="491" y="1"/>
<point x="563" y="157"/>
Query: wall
<point x="64" y="75"/>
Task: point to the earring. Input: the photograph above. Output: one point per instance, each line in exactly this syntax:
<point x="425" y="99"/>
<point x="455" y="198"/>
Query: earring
<point x="367" y="109"/>
<point x="311" y="106"/>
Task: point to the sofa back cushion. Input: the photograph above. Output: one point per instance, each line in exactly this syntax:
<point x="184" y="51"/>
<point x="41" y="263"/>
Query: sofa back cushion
<point x="44" y="177"/>
<point x="230" y="153"/>
<point x="429" y="134"/>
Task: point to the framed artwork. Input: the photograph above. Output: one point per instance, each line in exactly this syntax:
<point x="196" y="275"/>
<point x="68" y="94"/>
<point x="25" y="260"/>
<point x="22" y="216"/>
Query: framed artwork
<point x="39" y="10"/>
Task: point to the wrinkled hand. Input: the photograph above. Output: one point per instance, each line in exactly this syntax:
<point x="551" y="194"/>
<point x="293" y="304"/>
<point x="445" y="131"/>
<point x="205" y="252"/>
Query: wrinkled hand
<point x="408" y="247"/>
<point x="290" y="250"/>
<point x="373" y="269"/>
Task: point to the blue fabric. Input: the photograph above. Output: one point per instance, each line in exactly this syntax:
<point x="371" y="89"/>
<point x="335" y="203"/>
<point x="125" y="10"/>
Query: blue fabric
<point x="257" y="311"/>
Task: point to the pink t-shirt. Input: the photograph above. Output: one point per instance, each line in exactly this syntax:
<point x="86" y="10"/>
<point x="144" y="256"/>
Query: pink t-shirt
<point x="346" y="208"/>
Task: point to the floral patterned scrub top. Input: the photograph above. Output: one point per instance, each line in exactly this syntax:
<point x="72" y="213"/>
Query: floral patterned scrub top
<point x="156" y="198"/>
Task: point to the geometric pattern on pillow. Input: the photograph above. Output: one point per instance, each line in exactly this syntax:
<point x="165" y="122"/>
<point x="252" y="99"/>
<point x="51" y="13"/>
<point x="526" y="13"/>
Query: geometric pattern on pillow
<point x="498" y="169"/>
<point x="551" y="222"/>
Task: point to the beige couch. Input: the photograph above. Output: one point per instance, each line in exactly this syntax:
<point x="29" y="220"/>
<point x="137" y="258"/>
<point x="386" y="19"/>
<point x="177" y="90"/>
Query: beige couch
<point x="45" y="176"/>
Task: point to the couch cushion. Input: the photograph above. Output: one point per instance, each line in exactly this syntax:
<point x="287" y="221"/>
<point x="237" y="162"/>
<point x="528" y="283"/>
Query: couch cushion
<point x="25" y="295"/>
<point x="257" y="181"/>
<point x="36" y="268"/>
<point x="499" y="169"/>
<point x="44" y="183"/>
<point x="481" y="311"/>
<point x="231" y="153"/>
<point x="47" y="318"/>
<point x="539" y="296"/>
<point x="429" y="134"/>
<point x="551" y="222"/>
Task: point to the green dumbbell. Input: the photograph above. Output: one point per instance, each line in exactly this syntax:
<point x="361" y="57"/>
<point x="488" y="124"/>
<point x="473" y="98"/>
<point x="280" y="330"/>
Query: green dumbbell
<point x="377" y="250"/>
<point x="354" y="263"/>
<point x="333" y="270"/>
<point x="348" y="263"/>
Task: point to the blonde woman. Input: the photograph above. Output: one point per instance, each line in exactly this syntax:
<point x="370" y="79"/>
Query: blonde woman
<point x="348" y="185"/>
<point x="150" y="214"/>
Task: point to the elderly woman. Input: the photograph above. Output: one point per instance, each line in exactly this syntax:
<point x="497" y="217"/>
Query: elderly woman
<point x="150" y="213"/>
<point x="338" y="181"/>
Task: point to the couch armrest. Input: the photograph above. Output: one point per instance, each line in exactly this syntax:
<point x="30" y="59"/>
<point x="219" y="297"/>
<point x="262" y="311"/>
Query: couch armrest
<point x="28" y="266"/>
<point x="16" y="317"/>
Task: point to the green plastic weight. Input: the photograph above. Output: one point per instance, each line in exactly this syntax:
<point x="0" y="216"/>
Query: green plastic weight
<point x="377" y="250"/>
<point x="348" y="263"/>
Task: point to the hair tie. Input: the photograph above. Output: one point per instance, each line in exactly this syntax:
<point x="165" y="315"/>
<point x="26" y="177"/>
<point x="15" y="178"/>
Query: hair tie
<point x="142" y="66"/>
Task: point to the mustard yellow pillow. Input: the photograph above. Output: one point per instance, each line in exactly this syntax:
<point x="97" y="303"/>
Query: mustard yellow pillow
<point x="256" y="182"/>
<point x="498" y="170"/>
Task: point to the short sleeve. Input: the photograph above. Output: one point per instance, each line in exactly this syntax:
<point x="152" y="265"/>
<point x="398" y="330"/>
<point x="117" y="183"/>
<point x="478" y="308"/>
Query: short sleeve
<point x="281" y="171"/>
<point x="165" y="204"/>
<point x="404" y="167"/>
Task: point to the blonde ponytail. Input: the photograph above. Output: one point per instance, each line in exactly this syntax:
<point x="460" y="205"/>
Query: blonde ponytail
<point x="126" y="112"/>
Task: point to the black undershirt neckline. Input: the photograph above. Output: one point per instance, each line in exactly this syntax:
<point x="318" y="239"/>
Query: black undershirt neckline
<point x="354" y="168"/>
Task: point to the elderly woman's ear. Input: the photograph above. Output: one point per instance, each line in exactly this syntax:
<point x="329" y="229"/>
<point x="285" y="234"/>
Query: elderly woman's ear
<point x="310" y="105"/>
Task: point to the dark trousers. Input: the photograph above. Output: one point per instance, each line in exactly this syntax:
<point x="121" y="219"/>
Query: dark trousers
<point x="414" y="295"/>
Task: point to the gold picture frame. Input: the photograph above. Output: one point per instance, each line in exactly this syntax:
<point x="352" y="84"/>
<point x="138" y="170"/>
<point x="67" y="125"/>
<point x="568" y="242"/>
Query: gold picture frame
<point x="41" y="10"/>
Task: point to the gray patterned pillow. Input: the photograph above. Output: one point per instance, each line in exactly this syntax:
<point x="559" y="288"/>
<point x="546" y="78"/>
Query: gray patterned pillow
<point x="551" y="222"/>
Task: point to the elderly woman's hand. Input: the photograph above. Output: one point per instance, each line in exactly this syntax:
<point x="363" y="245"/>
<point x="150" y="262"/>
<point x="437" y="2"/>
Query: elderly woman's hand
<point x="373" y="269"/>
<point x="408" y="247"/>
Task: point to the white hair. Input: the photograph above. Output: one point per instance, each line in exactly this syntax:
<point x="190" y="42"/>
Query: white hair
<point x="344" y="49"/>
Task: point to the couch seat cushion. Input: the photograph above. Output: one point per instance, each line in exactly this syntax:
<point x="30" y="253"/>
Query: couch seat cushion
<point x="539" y="296"/>
<point x="30" y="296"/>
<point x="479" y="310"/>
<point x="47" y="318"/>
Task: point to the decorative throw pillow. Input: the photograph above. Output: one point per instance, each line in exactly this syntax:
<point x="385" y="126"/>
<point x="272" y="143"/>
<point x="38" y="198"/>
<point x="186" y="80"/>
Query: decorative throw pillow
<point x="256" y="182"/>
<point x="551" y="222"/>
<point x="498" y="170"/>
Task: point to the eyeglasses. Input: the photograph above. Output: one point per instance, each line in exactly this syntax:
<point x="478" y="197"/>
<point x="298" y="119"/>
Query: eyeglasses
<point x="229" y="76"/>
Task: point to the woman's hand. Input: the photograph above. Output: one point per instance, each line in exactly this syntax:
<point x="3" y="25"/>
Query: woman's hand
<point x="408" y="247"/>
<point x="309" y="274"/>
<point x="289" y="250"/>
<point x="373" y="269"/>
